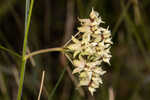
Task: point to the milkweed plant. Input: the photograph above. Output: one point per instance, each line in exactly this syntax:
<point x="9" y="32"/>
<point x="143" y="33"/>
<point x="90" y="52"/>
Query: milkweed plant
<point x="88" y="49"/>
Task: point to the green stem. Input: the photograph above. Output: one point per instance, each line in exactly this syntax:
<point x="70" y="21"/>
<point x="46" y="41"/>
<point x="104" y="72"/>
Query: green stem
<point x="42" y="51"/>
<point x="122" y="15"/>
<point x="10" y="51"/>
<point x="24" y="49"/>
<point x="58" y="82"/>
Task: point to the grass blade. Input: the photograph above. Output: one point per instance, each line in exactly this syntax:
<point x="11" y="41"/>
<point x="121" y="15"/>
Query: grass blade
<point x="58" y="82"/>
<point x="10" y="51"/>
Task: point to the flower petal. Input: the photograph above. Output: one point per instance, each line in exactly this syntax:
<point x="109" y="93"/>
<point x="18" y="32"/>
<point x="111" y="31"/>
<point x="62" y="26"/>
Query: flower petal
<point x="85" y="22"/>
<point x="77" y="70"/>
<point x="92" y="90"/>
<point x="85" y="29"/>
<point x="79" y="63"/>
<point x="106" y="60"/>
<point x="74" y="46"/>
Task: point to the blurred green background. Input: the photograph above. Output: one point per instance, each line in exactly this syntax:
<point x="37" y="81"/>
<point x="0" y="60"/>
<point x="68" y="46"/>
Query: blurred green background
<point x="52" y="24"/>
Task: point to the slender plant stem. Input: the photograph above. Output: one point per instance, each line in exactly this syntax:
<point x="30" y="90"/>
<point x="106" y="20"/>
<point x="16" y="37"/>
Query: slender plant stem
<point x="122" y="15"/>
<point x="58" y="82"/>
<point x="27" y="26"/>
<point x="41" y="86"/>
<point x="42" y="51"/>
<point x="10" y="51"/>
<point x="70" y="39"/>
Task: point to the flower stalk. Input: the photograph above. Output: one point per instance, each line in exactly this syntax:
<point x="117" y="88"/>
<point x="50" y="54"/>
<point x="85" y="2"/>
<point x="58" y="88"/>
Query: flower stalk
<point x="43" y="51"/>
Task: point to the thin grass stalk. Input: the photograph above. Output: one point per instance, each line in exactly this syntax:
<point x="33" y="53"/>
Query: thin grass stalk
<point x="23" y="63"/>
<point x="57" y="84"/>
<point x="122" y="15"/>
<point x="41" y="86"/>
<point x="10" y="51"/>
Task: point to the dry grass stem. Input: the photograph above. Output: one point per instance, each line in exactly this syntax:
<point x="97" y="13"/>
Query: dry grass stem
<point x="41" y="86"/>
<point x="111" y="94"/>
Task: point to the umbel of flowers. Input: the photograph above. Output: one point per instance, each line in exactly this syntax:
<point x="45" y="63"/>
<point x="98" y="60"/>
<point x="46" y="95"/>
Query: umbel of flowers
<point x="88" y="50"/>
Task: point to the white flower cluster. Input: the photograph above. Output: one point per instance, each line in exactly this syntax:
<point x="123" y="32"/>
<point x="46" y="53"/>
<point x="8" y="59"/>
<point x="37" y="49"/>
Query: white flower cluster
<point x="88" y="50"/>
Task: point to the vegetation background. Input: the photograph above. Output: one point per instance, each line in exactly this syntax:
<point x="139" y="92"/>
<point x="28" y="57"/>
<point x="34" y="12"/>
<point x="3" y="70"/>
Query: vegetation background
<point x="52" y="24"/>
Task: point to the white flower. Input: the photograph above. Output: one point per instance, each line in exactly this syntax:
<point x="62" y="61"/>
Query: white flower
<point x="76" y="45"/>
<point x="79" y="66"/>
<point x="94" y="14"/>
<point x="108" y="40"/>
<point x="98" y="70"/>
<point x="106" y="34"/>
<point x="86" y="38"/>
<point x="89" y="50"/>
<point x="93" y="64"/>
<point x="92" y="90"/>
<point x="85" y="29"/>
<point x="85" y="78"/>
<point x="85" y="22"/>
